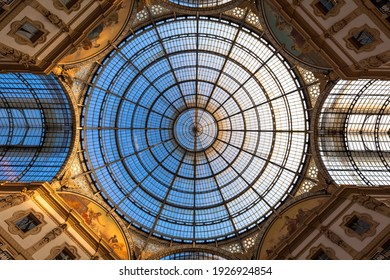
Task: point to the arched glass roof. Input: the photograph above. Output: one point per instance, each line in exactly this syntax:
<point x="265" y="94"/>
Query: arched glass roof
<point x="35" y="127"/>
<point x="354" y="132"/>
<point x="195" y="129"/>
<point x="200" y="3"/>
<point x="189" y="255"/>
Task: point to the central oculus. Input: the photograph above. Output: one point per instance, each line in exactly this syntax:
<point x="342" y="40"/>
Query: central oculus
<point x="195" y="129"/>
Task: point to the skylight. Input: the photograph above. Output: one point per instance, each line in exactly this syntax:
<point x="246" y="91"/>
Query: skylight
<point x="195" y="129"/>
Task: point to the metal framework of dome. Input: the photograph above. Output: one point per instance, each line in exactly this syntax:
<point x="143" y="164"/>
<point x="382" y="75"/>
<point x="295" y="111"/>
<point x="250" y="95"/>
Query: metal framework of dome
<point x="200" y="3"/>
<point x="195" y="129"/>
<point x="354" y="132"/>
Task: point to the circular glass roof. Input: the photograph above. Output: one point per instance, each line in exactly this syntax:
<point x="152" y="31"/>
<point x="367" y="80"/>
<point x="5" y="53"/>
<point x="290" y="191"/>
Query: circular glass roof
<point x="195" y="129"/>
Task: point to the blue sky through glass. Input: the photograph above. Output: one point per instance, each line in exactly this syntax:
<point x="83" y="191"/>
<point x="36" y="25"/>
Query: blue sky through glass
<point x="35" y="127"/>
<point x="243" y="108"/>
<point x="200" y="3"/>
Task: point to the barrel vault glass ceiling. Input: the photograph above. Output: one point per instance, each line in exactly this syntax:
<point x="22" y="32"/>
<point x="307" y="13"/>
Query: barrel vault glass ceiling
<point x="195" y="129"/>
<point x="200" y="3"/>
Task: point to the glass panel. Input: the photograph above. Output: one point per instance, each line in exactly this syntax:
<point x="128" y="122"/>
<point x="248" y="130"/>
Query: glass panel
<point x="35" y="127"/>
<point x="193" y="256"/>
<point x="21" y="127"/>
<point x="354" y="137"/>
<point x="200" y="3"/>
<point x="191" y="133"/>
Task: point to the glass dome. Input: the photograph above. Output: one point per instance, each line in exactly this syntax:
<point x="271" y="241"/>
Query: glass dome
<point x="195" y="129"/>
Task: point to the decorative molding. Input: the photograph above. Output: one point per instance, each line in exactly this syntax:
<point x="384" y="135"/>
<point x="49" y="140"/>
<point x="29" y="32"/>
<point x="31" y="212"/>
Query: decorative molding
<point x="336" y="27"/>
<point x="60" y="6"/>
<point x="101" y="51"/>
<point x="12" y="246"/>
<point x="12" y="11"/>
<point x="283" y="6"/>
<point x="371" y="231"/>
<point x="374" y="61"/>
<point x="66" y="181"/>
<point x="15" y="26"/>
<point x="339" y="25"/>
<point x="328" y="251"/>
<point x="15" y="199"/>
<point x="5" y="255"/>
<point x="17" y="56"/>
<point x="379" y="17"/>
<point x="297" y="2"/>
<point x="50" y="236"/>
<point x="338" y="241"/>
<point x="263" y="230"/>
<point x="387" y="202"/>
<point x="372" y="204"/>
<point x="177" y="8"/>
<point x="331" y="13"/>
<point x="80" y="235"/>
<point x="54" y="19"/>
<point x="110" y="2"/>
<point x="190" y="248"/>
<point x="377" y="245"/>
<point x="127" y="232"/>
<point x="56" y="250"/>
<point x="13" y="229"/>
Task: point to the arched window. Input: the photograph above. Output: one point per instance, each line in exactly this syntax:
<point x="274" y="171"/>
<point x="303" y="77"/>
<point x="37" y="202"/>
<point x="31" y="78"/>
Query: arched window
<point x="35" y="127"/>
<point x="354" y="132"/>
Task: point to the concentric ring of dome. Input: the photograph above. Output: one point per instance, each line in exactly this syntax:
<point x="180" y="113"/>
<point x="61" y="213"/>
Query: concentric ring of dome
<point x="223" y="70"/>
<point x="195" y="129"/>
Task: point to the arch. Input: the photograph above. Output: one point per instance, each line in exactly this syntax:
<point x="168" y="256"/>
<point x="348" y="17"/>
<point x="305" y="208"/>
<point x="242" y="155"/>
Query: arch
<point x="35" y="127"/>
<point x="353" y="132"/>
<point x="186" y="252"/>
